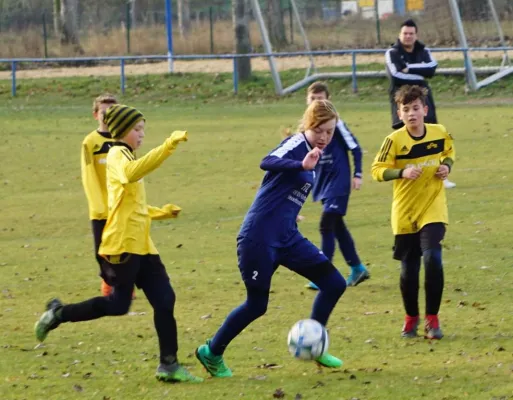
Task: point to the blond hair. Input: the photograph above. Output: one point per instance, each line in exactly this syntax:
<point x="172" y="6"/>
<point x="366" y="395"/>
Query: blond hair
<point x="105" y="98"/>
<point x="317" y="113"/>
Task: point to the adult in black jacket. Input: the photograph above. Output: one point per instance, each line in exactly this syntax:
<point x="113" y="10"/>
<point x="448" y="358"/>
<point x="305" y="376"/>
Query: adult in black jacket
<point x="409" y="62"/>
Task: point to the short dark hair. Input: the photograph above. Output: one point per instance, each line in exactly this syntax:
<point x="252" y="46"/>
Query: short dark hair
<point x="319" y="87"/>
<point x="410" y="23"/>
<point x="409" y="93"/>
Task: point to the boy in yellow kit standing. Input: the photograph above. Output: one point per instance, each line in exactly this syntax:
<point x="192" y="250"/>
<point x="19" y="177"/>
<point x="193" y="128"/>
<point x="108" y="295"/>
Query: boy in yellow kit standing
<point x="418" y="158"/>
<point x="129" y="257"/>
<point x="95" y="147"/>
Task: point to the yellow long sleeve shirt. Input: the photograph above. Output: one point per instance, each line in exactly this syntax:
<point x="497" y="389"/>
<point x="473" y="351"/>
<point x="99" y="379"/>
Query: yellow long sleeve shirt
<point x="422" y="201"/>
<point x="95" y="147"/>
<point x="129" y="219"/>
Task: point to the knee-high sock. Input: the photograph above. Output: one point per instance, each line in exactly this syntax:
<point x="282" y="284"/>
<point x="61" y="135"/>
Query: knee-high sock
<point x="409" y="284"/>
<point x="346" y="243"/>
<point x="434" y="280"/>
<point x="254" y="307"/>
<point x="327" y="229"/>
<point x="331" y="288"/>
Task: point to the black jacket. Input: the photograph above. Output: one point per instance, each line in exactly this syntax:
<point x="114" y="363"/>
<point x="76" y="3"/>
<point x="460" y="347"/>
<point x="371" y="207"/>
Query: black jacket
<point x="420" y="66"/>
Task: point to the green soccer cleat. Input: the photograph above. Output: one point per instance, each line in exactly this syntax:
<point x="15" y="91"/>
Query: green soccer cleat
<point x="48" y="320"/>
<point x="329" y="361"/>
<point x="175" y="373"/>
<point x="214" y="365"/>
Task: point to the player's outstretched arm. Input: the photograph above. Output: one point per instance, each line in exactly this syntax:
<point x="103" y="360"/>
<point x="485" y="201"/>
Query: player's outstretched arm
<point x="134" y="170"/>
<point x="166" y="212"/>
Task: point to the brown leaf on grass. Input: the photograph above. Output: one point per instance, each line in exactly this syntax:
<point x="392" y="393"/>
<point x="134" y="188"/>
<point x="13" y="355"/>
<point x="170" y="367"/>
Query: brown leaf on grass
<point x="207" y="316"/>
<point x="298" y="396"/>
<point x="78" y="388"/>
<point x="462" y="303"/>
<point x="500" y="348"/>
<point x="318" y="385"/>
<point x="279" y="394"/>
<point x="87" y="375"/>
<point x="269" y="366"/>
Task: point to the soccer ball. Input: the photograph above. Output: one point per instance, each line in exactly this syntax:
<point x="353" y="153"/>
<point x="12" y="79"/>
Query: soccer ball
<point x="307" y="340"/>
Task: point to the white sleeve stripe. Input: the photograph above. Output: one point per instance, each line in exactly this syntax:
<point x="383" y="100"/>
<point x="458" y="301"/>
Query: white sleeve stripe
<point x="400" y="75"/>
<point x="423" y="65"/>
<point x="289" y="145"/>
<point x="346" y="135"/>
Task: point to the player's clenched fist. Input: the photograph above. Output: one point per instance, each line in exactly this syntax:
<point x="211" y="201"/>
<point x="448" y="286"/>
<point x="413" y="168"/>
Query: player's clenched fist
<point x="311" y="159"/>
<point x="411" y="173"/>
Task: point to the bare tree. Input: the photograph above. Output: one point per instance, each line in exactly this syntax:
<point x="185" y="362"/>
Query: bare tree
<point x="57" y="17"/>
<point x="242" y="40"/>
<point x="276" y="24"/>
<point x="69" y="26"/>
<point x="184" y="17"/>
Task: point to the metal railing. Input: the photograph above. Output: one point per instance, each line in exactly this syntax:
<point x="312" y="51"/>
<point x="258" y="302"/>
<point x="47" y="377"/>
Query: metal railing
<point x="353" y="74"/>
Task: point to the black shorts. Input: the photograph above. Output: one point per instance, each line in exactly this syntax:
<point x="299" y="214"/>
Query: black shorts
<point x="132" y="269"/>
<point x="414" y="244"/>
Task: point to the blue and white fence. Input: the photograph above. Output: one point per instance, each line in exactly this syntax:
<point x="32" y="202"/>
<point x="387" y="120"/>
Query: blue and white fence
<point x="353" y="75"/>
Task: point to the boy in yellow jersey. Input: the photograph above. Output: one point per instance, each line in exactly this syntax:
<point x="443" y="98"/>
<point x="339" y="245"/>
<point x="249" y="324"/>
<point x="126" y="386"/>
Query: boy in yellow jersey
<point x="418" y="158"/>
<point x="95" y="147"/>
<point x="129" y="255"/>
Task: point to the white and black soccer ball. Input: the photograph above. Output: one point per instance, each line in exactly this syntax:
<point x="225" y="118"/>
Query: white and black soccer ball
<point x="307" y="340"/>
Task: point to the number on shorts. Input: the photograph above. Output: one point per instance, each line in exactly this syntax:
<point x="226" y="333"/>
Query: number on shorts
<point x="255" y="274"/>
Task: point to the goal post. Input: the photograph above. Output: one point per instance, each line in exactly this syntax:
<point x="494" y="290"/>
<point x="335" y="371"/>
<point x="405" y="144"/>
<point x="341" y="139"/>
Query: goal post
<point x="364" y="24"/>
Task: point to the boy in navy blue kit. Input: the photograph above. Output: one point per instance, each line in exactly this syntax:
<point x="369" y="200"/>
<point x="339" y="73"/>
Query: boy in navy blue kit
<point x="333" y="184"/>
<point x="269" y="237"/>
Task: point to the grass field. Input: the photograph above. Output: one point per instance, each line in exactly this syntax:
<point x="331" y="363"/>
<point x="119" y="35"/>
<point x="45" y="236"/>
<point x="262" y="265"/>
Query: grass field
<point x="46" y="251"/>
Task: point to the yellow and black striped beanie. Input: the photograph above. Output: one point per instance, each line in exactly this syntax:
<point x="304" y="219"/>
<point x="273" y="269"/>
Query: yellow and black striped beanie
<point x="121" y="119"/>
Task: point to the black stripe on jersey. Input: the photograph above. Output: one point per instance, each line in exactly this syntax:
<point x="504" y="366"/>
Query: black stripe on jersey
<point x="128" y="154"/>
<point x="385" y="149"/>
<point x="424" y="149"/>
<point x="104" y="149"/>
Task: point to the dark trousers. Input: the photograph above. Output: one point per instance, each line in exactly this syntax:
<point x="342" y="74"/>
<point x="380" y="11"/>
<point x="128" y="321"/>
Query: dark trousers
<point x="409" y="249"/>
<point x="123" y="273"/>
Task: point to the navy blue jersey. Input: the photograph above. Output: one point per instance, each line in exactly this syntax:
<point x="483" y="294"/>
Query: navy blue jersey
<point x="271" y="218"/>
<point x="333" y="171"/>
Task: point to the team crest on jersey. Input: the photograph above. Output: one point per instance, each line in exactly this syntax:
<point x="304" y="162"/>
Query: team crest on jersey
<point x="432" y="146"/>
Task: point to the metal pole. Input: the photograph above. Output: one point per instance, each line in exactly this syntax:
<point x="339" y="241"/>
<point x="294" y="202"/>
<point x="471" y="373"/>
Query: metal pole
<point x="235" y="75"/>
<point x="505" y="57"/>
<point x="169" y="29"/>
<point x="471" y="74"/>
<point x="122" y="75"/>
<point x="353" y="69"/>
<point x="128" y="23"/>
<point x="211" y="19"/>
<point x="267" y="46"/>
<point x="13" y="84"/>
<point x="45" y="35"/>
<point x="291" y="22"/>
<point x="378" y="27"/>
<point x="305" y="38"/>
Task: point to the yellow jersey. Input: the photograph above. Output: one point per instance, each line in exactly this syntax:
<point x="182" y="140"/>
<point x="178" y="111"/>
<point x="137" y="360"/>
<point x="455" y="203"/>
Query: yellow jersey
<point x="95" y="147"/>
<point x="127" y="229"/>
<point x="422" y="201"/>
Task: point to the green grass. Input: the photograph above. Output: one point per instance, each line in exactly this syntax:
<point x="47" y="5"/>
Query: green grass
<point x="46" y="251"/>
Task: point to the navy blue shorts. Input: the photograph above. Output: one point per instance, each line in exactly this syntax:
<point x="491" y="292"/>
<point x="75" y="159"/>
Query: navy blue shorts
<point x="258" y="261"/>
<point x="337" y="205"/>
